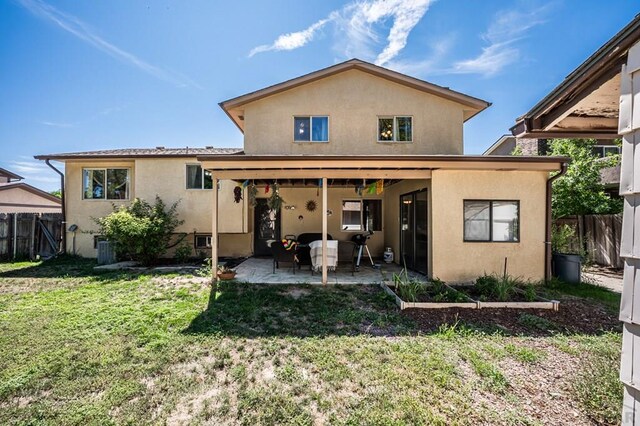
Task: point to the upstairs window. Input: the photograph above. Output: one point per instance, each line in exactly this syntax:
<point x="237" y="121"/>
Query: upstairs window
<point x="105" y="184"/>
<point x="491" y="221"/>
<point x="602" y="151"/>
<point x="196" y="179"/>
<point x="395" y="129"/>
<point x="311" y="128"/>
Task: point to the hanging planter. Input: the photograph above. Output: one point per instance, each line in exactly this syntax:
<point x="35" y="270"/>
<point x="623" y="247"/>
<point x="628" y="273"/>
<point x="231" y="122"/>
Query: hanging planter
<point x="275" y="202"/>
<point x="252" y="192"/>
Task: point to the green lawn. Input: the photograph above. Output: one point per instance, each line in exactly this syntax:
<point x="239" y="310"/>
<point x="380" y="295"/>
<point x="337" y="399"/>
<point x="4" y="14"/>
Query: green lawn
<point x="77" y="347"/>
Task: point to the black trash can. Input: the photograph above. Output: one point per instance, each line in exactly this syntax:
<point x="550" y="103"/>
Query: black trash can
<point x="567" y="267"/>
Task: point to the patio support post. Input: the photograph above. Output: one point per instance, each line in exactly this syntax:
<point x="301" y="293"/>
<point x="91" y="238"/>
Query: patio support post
<point x="214" y="231"/>
<point x="325" y="206"/>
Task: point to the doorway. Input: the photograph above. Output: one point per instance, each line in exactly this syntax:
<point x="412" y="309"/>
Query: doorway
<point x="266" y="227"/>
<point x="413" y="230"/>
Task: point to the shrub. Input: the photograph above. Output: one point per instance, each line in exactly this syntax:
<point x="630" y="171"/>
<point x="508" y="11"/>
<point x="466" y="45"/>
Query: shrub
<point x="140" y="231"/>
<point x="500" y="288"/>
<point x="182" y="253"/>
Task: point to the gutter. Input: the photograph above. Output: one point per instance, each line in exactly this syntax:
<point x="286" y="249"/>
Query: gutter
<point x="63" y="248"/>
<point x="548" y="219"/>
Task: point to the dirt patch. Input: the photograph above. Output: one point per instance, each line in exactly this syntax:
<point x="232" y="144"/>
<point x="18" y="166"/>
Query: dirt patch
<point x="574" y="316"/>
<point x="296" y="293"/>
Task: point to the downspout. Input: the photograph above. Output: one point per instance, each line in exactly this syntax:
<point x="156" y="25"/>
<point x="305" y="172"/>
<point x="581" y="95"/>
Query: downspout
<point x="63" y="249"/>
<point x="547" y="237"/>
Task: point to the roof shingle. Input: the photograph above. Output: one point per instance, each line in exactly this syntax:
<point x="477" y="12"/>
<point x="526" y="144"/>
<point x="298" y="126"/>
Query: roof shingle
<point x="142" y="152"/>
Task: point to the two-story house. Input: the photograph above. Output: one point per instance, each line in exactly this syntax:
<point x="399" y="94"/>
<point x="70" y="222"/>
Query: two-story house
<point x="351" y="148"/>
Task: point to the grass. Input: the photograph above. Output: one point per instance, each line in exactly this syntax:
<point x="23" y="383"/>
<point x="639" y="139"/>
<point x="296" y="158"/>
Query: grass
<point x="585" y="290"/>
<point x="79" y="347"/>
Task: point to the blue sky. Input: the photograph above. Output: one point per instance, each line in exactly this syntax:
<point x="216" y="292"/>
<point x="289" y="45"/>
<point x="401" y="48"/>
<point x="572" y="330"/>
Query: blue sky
<point x="89" y="75"/>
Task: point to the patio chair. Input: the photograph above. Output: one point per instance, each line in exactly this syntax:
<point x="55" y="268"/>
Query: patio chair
<point x="281" y="254"/>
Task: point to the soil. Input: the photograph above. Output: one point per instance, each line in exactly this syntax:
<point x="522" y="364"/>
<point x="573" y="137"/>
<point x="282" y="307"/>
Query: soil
<point x="574" y="316"/>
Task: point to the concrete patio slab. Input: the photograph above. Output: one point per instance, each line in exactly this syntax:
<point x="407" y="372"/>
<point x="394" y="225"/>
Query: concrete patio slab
<point x="260" y="271"/>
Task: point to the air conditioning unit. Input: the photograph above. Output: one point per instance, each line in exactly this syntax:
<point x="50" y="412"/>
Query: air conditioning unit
<point x="106" y="255"/>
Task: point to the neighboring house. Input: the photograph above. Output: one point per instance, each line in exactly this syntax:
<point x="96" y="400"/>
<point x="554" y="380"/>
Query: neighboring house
<point x="599" y="99"/>
<point x="610" y="176"/>
<point x="321" y="138"/>
<point x="19" y="197"/>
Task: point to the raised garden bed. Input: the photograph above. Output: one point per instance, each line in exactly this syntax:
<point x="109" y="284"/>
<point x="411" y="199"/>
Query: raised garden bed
<point x="487" y="292"/>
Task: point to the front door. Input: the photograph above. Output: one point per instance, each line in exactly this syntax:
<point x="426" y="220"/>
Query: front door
<point x="266" y="227"/>
<point x="413" y="230"/>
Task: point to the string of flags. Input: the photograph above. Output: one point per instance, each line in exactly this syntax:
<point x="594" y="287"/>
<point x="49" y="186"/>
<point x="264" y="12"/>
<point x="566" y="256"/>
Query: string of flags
<point x="376" y="187"/>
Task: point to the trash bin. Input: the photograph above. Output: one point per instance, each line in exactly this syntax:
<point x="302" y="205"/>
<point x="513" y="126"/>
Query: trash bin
<point x="567" y="267"/>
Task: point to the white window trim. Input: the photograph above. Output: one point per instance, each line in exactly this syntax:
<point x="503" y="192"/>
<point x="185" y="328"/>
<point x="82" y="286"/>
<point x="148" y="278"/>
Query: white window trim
<point x="202" y="188"/>
<point x="311" y="117"/>
<point x="394" y="141"/>
<point x="208" y="240"/>
<point x="129" y="187"/>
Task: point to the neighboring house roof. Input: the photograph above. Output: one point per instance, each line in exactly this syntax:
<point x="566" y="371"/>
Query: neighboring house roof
<point x="31" y="189"/>
<point x="10" y="175"/>
<point x="140" y="153"/>
<point x="586" y="103"/>
<point x="500" y="143"/>
<point x="474" y="105"/>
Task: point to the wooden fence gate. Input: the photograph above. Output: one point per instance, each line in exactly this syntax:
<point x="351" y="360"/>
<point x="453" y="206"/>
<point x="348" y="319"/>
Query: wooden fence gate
<point x="28" y="235"/>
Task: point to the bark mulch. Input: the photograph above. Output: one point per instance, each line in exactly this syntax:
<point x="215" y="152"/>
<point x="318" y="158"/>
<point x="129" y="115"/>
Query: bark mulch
<point x="575" y="316"/>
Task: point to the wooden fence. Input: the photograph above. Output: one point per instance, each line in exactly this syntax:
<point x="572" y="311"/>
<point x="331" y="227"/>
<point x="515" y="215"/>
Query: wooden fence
<point x="28" y="235"/>
<point x="599" y="235"/>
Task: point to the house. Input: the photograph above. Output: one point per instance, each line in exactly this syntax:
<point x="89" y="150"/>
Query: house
<point x="353" y="148"/>
<point x="609" y="176"/>
<point x="20" y="197"/>
<point x="599" y="100"/>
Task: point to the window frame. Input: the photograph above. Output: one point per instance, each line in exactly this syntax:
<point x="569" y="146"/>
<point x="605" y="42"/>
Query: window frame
<point x="104" y="169"/>
<point x="491" y="201"/>
<point x="362" y="224"/>
<point x="395" y="130"/>
<point x="603" y="150"/>
<point x="208" y="241"/>
<point x="186" y="178"/>
<point x="311" y="117"/>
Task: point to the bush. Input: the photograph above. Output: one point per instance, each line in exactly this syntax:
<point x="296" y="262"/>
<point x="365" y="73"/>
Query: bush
<point x="501" y="288"/>
<point x="182" y="253"/>
<point x="140" y="231"/>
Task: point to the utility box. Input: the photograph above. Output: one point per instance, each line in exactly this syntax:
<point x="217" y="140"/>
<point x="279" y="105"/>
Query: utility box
<point x="106" y="254"/>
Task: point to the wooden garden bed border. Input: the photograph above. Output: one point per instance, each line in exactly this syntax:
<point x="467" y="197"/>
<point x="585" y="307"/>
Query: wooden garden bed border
<point x="474" y="304"/>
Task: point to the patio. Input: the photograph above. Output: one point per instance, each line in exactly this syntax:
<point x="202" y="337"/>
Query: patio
<point x="260" y="271"/>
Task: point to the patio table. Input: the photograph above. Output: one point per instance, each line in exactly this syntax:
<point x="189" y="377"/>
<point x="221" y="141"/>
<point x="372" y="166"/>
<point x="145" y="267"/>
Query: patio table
<point x="316" y="255"/>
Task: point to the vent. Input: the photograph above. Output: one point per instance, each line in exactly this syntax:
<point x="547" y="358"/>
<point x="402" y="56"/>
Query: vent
<point x="209" y="147"/>
<point x="159" y="147"/>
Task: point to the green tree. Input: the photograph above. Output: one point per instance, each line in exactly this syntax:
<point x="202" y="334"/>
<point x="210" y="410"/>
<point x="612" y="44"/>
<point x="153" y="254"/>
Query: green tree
<point x="56" y="193"/>
<point x="580" y="191"/>
<point x="141" y="231"/>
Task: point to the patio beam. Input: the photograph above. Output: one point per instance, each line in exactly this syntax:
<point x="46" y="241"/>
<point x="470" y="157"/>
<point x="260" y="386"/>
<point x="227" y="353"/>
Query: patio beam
<point x="320" y="173"/>
<point x="325" y="206"/>
<point x="214" y="230"/>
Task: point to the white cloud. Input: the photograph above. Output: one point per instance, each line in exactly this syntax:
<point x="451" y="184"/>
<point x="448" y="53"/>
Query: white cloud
<point x="359" y="28"/>
<point x="84" y="32"/>
<point x="506" y="29"/>
<point x="34" y="171"/>
<point x="55" y="124"/>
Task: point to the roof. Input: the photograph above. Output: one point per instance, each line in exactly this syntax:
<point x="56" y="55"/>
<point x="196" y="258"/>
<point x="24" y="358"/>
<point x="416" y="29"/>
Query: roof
<point x="157" y="152"/>
<point x="474" y="105"/>
<point x="586" y="102"/>
<point x="32" y="189"/>
<point x="10" y="175"/>
<point x="497" y="144"/>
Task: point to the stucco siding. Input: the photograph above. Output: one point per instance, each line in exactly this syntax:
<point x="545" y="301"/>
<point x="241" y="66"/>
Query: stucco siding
<point x="456" y="260"/>
<point x="353" y="100"/>
<point x="19" y="200"/>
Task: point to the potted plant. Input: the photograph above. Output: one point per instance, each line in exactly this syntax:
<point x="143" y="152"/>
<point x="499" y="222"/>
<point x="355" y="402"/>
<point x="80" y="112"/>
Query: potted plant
<point x="566" y="257"/>
<point x="224" y="273"/>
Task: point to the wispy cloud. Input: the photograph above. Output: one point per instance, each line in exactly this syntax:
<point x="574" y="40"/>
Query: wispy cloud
<point x="87" y="34"/>
<point x="34" y="171"/>
<point x="507" y="28"/>
<point x="54" y="124"/>
<point x="359" y="29"/>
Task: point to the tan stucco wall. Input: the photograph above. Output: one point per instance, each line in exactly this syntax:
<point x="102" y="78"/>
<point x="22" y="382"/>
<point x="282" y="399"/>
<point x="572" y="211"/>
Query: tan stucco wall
<point x="353" y="100"/>
<point x="19" y="200"/>
<point x="167" y="178"/>
<point x="455" y="260"/>
<point x="392" y="214"/>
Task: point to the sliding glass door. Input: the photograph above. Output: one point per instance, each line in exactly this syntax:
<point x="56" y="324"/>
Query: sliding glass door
<point x="413" y="230"/>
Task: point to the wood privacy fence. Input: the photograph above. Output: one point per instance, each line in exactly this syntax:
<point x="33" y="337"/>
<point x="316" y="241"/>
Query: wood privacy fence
<point x="600" y="235"/>
<point x="28" y="235"/>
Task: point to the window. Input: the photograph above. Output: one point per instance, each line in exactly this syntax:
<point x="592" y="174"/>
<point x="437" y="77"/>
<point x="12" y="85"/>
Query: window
<point x="496" y="221"/>
<point x="311" y="129"/>
<point x="395" y="129"/>
<point x="362" y="215"/>
<point x="198" y="180"/>
<point x="105" y="184"/>
<point x="605" y="150"/>
<point x="202" y="241"/>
